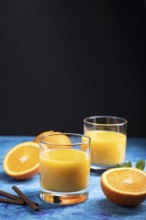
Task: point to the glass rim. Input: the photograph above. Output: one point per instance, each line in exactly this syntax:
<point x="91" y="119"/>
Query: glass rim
<point x="65" y="133"/>
<point x="85" y="120"/>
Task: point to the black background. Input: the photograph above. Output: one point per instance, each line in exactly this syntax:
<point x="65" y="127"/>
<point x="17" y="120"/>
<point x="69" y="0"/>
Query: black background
<point x="61" y="61"/>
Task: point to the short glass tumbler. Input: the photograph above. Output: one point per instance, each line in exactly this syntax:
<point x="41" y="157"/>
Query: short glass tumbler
<point x="64" y="168"/>
<point x="108" y="141"/>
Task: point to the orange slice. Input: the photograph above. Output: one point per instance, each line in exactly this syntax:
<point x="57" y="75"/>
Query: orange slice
<point x="22" y="161"/>
<point x="59" y="139"/>
<point x="124" y="186"/>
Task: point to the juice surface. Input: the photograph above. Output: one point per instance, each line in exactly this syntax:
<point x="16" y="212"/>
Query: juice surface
<point x="64" y="170"/>
<point x="107" y="147"/>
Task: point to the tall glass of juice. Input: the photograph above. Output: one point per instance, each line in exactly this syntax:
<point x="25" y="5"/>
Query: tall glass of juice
<point x="108" y="141"/>
<point x="64" y="168"/>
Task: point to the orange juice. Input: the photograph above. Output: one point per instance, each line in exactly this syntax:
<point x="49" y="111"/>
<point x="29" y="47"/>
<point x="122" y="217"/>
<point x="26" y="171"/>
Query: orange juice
<point x="64" y="170"/>
<point x="107" y="147"/>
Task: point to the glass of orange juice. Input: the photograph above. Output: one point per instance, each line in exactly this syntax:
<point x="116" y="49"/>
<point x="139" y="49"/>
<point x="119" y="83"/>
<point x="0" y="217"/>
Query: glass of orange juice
<point x="64" y="168"/>
<point x="108" y="141"/>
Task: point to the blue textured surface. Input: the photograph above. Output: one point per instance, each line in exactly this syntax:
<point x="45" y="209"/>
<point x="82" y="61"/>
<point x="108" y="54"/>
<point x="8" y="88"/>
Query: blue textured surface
<point x="96" y="207"/>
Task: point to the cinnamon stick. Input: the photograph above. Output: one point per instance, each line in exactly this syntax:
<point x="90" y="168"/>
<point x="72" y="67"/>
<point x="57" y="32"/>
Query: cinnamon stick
<point x="12" y="201"/>
<point x="32" y="205"/>
<point x="10" y="196"/>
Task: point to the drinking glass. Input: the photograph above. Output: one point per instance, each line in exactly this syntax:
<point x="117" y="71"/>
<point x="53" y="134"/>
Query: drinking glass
<point x="64" y="168"/>
<point x="108" y="141"/>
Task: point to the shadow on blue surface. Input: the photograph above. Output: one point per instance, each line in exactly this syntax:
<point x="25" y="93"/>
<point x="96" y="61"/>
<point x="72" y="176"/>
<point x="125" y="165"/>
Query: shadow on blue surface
<point x="7" y="179"/>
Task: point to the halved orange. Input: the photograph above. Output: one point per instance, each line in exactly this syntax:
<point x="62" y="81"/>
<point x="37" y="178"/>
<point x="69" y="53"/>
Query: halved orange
<point x="22" y="161"/>
<point x="37" y="138"/>
<point x="124" y="186"/>
<point x="59" y="139"/>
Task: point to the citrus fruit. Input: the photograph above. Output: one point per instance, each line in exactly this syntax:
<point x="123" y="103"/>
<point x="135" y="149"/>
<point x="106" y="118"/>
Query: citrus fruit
<point x="22" y="161"/>
<point x="48" y="136"/>
<point x="124" y="186"/>
<point x="37" y="138"/>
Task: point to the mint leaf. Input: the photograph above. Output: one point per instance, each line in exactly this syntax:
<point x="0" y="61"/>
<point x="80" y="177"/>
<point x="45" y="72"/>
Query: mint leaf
<point x="118" y="165"/>
<point x="129" y="164"/>
<point x="140" y="164"/>
<point x="126" y="164"/>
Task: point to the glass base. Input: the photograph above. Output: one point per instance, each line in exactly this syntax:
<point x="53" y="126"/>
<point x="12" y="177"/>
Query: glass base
<point x="64" y="198"/>
<point x="99" y="169"/>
